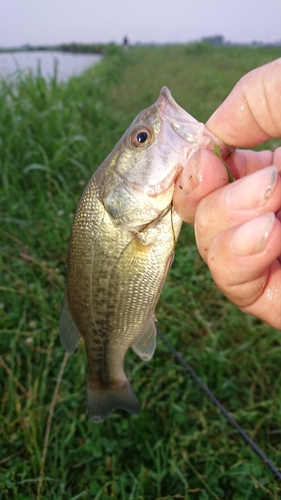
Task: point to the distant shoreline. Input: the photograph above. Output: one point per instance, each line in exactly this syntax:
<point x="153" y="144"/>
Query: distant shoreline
<point x="101" y="48"/>
<point x="74" y="48"/>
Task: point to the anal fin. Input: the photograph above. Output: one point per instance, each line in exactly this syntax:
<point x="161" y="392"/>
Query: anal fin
<point x="145" y="345"/>
<point x="69" y="335"/>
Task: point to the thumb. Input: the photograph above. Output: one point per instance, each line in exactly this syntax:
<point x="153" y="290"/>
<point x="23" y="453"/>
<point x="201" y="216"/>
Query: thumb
<point x="251" y="113"/>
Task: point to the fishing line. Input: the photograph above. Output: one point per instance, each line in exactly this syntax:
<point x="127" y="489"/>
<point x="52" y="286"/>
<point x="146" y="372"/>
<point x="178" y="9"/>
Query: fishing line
<point x="221" y="407"/>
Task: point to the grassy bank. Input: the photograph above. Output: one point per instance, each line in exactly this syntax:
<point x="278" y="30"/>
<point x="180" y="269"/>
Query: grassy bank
<point x="52" y="138"/>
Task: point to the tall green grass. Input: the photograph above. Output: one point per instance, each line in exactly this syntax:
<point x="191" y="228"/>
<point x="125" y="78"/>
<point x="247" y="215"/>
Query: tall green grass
<point x="52" y="138"/>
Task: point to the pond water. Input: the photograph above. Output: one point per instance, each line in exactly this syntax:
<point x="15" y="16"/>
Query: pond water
<point x="66" y="64"/>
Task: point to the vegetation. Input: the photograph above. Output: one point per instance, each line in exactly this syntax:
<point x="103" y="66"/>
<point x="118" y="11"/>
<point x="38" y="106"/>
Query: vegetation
<point x="52" y="137"/>
<point x="81" y="48"/>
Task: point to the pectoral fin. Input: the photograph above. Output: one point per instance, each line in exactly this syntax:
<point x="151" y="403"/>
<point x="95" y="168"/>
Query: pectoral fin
<point x="145" y="346"/>
<point x="69" y="334"/>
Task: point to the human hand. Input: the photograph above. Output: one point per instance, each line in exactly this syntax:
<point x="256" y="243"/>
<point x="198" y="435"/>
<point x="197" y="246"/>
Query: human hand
<point x="238" y="226"/>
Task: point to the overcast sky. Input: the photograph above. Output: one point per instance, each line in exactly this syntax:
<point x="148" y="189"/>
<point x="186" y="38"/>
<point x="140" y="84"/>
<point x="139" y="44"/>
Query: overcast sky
<point x="161" y="21"/>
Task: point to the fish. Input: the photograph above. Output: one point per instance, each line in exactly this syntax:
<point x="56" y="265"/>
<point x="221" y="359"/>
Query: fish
<point x="121" y="248"/>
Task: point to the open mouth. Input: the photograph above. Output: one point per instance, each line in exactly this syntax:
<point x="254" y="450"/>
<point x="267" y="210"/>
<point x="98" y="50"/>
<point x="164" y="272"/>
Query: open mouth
<point x="187" y="127"/>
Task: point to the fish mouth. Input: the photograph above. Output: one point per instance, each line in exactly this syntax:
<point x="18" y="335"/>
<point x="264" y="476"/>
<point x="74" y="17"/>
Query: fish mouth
<point x="183" y="124"/>
<point x="187" y="127"/>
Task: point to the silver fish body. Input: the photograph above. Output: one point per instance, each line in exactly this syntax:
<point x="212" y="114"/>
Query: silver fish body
<point x="121" y="248"/>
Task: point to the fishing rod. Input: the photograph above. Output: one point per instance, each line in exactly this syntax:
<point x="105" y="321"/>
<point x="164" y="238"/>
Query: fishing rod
<point x="220" y="407"/>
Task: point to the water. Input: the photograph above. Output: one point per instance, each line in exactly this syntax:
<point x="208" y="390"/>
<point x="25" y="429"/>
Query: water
<point x="67" y="64"/>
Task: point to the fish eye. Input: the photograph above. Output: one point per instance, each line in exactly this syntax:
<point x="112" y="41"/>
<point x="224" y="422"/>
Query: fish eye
<point x="140" y="137"/>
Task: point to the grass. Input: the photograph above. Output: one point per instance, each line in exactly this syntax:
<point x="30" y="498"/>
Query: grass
<point x="52" y="137"/>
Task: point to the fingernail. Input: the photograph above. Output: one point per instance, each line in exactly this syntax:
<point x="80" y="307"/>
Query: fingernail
<point x="253" y="190"/>
<point x="188" y="180"/>
<point x="252" y="236"/>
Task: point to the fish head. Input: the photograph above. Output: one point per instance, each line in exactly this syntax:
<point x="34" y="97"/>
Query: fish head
<point x="151" y="154"/>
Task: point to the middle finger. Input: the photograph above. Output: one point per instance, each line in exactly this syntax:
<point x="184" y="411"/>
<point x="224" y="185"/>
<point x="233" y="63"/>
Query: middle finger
<point x="235" y="204"/>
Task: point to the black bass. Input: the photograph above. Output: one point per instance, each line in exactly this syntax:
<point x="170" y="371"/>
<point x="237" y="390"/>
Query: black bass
<point x="121" y="247"/>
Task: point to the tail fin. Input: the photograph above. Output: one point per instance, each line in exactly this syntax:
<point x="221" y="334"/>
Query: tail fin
<point x="101" y="402"/>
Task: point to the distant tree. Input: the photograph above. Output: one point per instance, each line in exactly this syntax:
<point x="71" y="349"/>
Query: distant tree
<point x="214" y="40"/>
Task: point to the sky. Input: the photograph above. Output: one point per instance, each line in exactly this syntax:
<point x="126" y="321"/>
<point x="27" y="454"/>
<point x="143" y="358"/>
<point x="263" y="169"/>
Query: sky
<point x="49" y="22"/>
